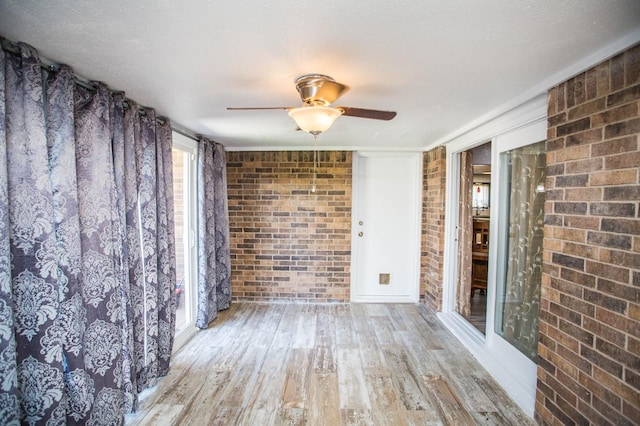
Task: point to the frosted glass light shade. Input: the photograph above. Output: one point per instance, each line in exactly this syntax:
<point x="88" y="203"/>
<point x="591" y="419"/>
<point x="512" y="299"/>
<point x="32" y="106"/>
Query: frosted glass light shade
<point x="314" y="119"/>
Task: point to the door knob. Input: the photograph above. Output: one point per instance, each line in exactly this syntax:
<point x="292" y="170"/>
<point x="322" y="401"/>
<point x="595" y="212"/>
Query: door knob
<point x="360" y="234"/>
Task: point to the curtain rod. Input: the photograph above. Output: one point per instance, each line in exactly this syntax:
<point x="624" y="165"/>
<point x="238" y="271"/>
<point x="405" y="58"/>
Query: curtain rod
<point x="50" y="66"/>
<point x="186" y="133"/>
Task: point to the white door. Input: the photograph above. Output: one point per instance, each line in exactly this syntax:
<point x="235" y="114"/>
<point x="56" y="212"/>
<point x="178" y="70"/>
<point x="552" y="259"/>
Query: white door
<point x="386" y="227"/>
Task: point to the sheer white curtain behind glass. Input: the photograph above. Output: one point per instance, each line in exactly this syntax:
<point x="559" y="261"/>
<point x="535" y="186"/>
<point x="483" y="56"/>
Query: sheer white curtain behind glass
<point x="518" y="298"/>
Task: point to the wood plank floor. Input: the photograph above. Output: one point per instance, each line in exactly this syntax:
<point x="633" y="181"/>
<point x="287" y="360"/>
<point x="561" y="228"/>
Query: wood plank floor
<point x="343" y="364"/>
<point x="478" y="317"/>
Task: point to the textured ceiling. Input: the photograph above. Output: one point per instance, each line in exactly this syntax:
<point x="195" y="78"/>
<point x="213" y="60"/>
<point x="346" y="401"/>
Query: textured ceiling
<point x="443" y="65"/>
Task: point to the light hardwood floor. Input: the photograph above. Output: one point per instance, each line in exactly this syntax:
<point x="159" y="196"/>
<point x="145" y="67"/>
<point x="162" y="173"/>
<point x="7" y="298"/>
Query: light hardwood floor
<point x="343" y="364"/>
<point x="478" y="317"/>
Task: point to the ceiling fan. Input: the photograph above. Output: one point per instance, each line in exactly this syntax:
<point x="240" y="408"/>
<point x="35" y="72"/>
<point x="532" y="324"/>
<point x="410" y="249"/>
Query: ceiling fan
<point x="318" y="92"/>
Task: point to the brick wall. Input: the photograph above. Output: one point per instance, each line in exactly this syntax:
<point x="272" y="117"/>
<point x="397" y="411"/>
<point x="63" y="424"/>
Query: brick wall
<point x="589" y="351"/>
<point x="432" y="244"/>
<point x="288" y="243"/>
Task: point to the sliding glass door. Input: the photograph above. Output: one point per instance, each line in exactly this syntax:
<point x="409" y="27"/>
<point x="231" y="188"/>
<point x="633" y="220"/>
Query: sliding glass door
<point x="523" y="176"/>
<point x="505" y="258"/>
<point x="184" y="163"/>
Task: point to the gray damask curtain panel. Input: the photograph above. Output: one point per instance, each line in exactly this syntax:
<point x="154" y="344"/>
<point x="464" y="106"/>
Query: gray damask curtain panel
<point x="87" y="266"/>
<point x="214" y="255"/>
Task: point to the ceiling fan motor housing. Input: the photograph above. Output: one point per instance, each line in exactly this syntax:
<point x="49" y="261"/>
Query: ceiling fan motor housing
<point x="319" y="89"/>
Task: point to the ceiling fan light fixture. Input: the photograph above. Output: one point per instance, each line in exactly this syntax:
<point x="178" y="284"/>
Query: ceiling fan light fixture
<point x="314" y="119"/>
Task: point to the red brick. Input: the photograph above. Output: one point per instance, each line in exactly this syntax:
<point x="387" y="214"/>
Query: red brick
<point x="591" y="84"/>
<point x="576" y="92"/>
<point x="612" y="272"/>
<point x="618" y="321"/>
<point x="569" y="207"/>
<point x="628" y="160"/>
<point x="621" y="258"/>
<point x="603" y="79"/>
<point x="617" y="72"/>
<point x="629" y="94"/>
<point x="581" y="250"/>
<point x="574" y="126"/>
<point x="634" y="311"/>
<point x="605" y="239"/>
<point x="628" y="127"/>
<point x="585" y="165"/>
<point x="557" y="119"/>
<point x="582" y="222"/>
<point x="595" y="357"/>
<point x="567" y="361"/>
<point x="552" y="102"/>
<point x="576" y="235"/>
<point x="432" y="243"/>
<point x="553" y="144"/>
<point x="273" y="208"/>
<point x="608" y="333"/>
<point x="613" y="177"/>
<point x="578" y="278"/>
<point x="631" y="410"/>
<point x="621" y="226"/>
<point x="578" y="306"/>
<point x="590" y="284"/>
<point x="613" y="209"/>
<point x="579" y="151"/>
<point x="622" y="193"/>
<point x="563" y="338"/>
<point x="587" y="108"/>
<point x="618" y="114"/>
<point x="582" y="194"/>
<point x="600" y="389"/>
<point x="566" y="287"/>
<point x="594" y="416"/>
<point x="633" y="380"/>
<point x="620" y="355"/>
<point x="615" y="146"/>
<point x="632" y="66"/>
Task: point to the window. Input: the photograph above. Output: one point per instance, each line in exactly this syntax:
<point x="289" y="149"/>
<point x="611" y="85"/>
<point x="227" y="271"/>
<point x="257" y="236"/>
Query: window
<point x="184" y="199"/>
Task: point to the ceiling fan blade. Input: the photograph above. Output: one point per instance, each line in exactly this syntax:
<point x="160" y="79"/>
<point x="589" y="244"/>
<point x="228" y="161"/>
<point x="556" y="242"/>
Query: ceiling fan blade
<point x="256" y="108"/>
<point x="367" y="113"/>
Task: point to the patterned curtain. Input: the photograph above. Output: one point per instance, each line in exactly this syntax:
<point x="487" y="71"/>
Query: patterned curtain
<point x="149" y="195"/>
<point x="214" y="255"/>
<point x="465" y="235"/>
<point x="526" y="230"/>
<point x="31" y="361"/>
<point x="79" y="187"/>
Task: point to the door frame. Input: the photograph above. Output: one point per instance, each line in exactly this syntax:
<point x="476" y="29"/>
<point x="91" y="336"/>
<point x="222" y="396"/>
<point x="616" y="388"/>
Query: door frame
<point x="414" y="296"/>
<point x="510" y="368"/>
<point x="190" y="147"/>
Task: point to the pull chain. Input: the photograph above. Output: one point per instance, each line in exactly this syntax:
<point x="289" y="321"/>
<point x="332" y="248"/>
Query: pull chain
<point x="315" y="161"/>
